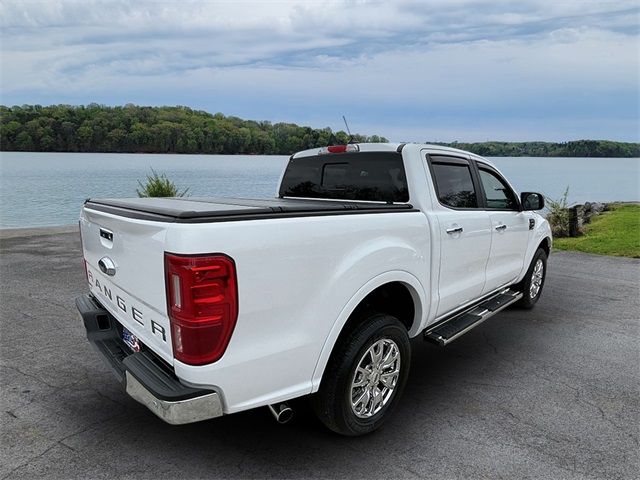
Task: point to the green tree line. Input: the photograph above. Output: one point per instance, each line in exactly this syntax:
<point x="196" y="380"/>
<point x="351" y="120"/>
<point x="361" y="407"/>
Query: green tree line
<point x="136" y="129"/>
<point x="577" y="148"/>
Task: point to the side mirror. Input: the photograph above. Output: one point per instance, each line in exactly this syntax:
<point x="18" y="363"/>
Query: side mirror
<point x="532" y="201"/>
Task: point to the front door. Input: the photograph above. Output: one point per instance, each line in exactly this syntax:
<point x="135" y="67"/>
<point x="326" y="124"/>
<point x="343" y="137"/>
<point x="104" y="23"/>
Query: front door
<point x="510" y="229"/>
<point x="465" y="232"/>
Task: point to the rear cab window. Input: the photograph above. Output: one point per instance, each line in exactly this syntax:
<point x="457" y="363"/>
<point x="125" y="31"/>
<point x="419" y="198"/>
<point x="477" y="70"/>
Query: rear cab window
<point x="364" y="176"/>
<point x="454" y="182"/>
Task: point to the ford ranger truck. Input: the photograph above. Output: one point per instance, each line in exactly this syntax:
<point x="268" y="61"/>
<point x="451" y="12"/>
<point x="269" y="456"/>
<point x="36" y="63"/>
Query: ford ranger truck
<point x="205" y="307"/>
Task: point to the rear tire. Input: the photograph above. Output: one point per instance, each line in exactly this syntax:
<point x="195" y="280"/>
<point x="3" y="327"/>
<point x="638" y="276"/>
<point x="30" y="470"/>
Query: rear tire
<point x="531" y="285"/>
<point x="364" y="377"/>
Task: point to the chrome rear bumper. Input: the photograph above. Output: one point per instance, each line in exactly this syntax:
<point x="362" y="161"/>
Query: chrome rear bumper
<point x="147" y="380"/>
<point x="179" y="412"/>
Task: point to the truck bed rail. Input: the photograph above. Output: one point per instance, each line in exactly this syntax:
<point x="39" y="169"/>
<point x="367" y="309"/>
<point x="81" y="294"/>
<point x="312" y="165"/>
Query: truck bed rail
<point x="206" y="210"/>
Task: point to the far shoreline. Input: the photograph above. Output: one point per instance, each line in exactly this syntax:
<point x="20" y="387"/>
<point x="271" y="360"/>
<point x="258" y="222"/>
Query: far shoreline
<point x="277" y="154"/>
<point x="183" y="130"/>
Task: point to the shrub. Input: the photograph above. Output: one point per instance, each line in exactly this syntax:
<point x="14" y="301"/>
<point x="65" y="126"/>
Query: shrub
<point x="158" y="185"/>
<point x="558" y="215"/>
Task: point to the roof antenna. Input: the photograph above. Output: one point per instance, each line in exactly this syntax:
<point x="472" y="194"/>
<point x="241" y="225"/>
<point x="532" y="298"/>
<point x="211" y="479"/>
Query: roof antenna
<point x="348" y="131"/>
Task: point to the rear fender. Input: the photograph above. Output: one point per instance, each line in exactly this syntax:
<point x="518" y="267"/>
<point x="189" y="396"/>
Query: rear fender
<point x="417" y="293"/>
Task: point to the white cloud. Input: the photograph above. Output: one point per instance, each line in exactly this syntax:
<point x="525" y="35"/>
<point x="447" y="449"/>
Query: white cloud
<point x="482" y="59"/>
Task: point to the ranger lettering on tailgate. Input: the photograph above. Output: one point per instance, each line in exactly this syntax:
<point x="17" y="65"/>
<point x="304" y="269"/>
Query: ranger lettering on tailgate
<point x="119" y="302"/>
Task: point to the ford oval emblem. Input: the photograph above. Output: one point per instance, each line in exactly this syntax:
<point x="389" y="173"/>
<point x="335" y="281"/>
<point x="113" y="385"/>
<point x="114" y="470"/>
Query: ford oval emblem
<point x="107" y="266"/>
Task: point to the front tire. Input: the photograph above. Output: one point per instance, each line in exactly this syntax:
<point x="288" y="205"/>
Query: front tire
<point x="533" y="281"/>
<point x="365" y="376"/>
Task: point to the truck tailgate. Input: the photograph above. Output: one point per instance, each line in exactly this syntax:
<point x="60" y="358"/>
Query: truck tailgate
<point x="134" y="293"/>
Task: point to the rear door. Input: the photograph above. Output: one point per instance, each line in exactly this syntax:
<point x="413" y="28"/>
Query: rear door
<point x="510" y="228"/>
<point x="465" y="231"/>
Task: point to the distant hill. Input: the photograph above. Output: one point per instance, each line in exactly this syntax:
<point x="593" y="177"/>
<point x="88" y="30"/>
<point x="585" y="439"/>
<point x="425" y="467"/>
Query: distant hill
<point x="577" y="148"/>
<point x="135" y="129"/>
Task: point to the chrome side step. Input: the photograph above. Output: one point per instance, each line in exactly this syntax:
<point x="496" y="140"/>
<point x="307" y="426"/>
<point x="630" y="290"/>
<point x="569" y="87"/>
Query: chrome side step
<point x="448" y="330"/>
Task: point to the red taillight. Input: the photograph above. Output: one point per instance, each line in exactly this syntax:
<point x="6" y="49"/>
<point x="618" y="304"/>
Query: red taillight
<point x="202" y="303"/>
<point x="351" y="147"/>
<point x="337" y="148"/>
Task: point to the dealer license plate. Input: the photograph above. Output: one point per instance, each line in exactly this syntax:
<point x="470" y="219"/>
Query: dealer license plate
<point x="131" y="340"/>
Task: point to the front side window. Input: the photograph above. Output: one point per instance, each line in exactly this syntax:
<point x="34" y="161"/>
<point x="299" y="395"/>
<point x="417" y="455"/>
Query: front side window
<point x="498" y="194"/>
<point x="454" y="185"/>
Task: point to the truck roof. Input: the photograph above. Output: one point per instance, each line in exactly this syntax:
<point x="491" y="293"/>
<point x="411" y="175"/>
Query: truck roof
<point x="394" y="147"/>
<point x="363" y="147"/>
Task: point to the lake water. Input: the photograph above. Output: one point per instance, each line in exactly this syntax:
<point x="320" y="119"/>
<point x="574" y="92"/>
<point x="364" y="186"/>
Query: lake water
<point x="46" y="189"/>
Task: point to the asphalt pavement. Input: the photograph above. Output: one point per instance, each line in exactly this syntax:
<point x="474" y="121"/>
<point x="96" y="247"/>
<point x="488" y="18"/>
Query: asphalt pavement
<point x="549" y="393"/>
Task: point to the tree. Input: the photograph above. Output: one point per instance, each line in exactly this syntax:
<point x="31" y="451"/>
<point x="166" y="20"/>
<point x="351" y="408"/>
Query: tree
<point x="84" y="136"/>
<point x="24" y="142"/>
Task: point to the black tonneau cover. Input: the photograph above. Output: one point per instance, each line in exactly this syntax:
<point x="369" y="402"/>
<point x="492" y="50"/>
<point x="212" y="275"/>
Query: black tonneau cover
<point x="205" y="210"/>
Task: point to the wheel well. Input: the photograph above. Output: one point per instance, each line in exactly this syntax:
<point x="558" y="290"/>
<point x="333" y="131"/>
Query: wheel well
<point x="545" y="245"/>
<point x="391" y="298"/>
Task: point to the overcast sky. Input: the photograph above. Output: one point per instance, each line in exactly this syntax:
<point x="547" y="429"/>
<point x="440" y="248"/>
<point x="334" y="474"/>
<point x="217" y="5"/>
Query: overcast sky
<point x="410" y="70"/>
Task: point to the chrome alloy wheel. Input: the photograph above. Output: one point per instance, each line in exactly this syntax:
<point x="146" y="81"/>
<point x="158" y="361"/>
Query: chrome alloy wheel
<point x="375" y="378"/>
<point x="536" y="279"/>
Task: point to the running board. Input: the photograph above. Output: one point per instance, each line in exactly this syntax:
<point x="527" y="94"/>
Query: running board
<point x="448" y="330"/>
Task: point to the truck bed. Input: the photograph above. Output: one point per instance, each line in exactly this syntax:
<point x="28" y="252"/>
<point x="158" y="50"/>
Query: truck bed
<point x="206" y="210"/>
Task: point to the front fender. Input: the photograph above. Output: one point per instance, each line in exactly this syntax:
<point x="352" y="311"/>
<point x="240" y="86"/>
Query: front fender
<point x="541" y="232"/>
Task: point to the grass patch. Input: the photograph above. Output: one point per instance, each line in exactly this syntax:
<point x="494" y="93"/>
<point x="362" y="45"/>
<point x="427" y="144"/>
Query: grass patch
<point x="158" y="185"/>
<point x="616" y="232"/>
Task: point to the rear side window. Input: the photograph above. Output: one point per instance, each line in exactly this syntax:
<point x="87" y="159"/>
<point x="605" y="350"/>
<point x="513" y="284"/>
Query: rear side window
<point x="454" y="185"/>
<point x="370" y="176"/>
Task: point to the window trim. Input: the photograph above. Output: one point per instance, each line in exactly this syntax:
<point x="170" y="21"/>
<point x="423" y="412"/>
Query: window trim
<point x="456" y="160"/>
<point x="483" y="166"/>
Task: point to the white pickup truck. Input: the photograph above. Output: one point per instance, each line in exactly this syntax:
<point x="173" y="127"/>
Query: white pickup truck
<point x="210" y="306"/>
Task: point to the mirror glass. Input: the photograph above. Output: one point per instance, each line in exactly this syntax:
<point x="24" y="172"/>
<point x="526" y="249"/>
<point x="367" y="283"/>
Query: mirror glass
<point x="532" y="201"/>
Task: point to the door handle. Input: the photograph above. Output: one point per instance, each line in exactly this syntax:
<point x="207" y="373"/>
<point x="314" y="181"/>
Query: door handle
<point x="451" y="231"/>
<point x="501" y="227"/>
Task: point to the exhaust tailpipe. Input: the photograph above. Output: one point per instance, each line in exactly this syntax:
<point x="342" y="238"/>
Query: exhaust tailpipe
<point x="281" y="412"/>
